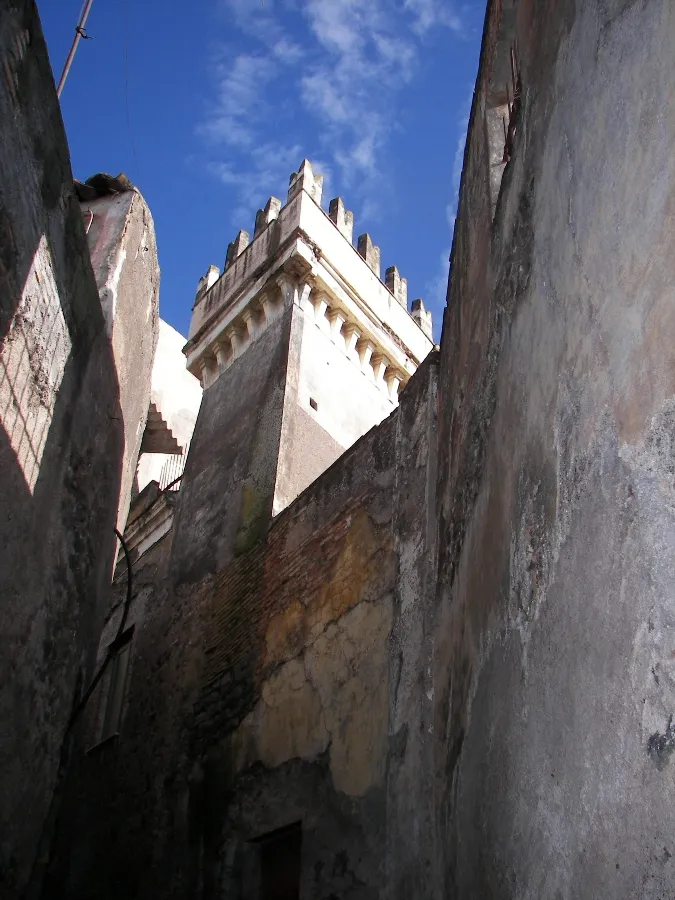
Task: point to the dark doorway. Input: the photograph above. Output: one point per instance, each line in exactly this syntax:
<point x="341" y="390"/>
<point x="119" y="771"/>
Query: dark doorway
<point x="280" y="863"/>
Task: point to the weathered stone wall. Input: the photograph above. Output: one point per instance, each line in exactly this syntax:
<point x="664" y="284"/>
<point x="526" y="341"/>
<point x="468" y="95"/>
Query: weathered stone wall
<point x="263" y="694"/>
<point x="277" y="665"/>
<point x="228" y="489"/>
<point x="61" y="445"/>
<point x="555" y="624"/>
<point x="313" y="746"/>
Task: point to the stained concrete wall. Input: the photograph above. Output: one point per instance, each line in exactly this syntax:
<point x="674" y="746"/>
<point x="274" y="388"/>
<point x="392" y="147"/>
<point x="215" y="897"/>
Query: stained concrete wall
<point x="277" y="689"/>
<point x="121" y="237"/>
<point x="61" y="445"/>
<point x="555" y="625"/>
<point x="411" y="852"/>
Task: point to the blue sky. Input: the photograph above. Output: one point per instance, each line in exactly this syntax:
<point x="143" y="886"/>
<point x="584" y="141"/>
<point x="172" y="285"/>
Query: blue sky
<point x="208" y="107"/>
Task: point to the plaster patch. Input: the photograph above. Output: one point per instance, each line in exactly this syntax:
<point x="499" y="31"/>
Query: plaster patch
<point x="349" y="668"/>
<point x="289" y="720"/>
<point x="358" y="566"/>
<point x="109" y="292"/>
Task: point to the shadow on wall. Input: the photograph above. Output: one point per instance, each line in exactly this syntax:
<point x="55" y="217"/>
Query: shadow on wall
<point x="61" y="446"/>
<point x="60" y="481"/>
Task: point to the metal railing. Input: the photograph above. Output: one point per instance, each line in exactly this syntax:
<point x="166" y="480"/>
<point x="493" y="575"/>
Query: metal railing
<point x="172" y="470"/>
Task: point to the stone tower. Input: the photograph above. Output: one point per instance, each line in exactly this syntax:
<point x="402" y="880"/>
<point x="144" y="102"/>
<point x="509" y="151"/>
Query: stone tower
<point x="301" y="348"/>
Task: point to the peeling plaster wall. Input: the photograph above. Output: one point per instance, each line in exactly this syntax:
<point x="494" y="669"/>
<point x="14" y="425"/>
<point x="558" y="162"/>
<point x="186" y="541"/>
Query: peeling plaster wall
<point x="263" y="694"/>
<point x="326" y="656"/>
<point x="61" y="446"/>
<point x="555" y="621"/>
<point x="314" y="745"/>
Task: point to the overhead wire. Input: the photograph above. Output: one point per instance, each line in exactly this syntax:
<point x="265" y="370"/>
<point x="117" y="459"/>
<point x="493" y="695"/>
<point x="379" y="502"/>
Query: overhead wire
<point x="79" y="34"/>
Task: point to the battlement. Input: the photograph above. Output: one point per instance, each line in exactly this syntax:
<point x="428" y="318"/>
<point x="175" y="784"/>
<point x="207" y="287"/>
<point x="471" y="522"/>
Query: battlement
<point x="398" y="286"/>
<point x="362" y="347"/>
<point x="299" y="241"/>
<point x="305" y="180"/>
<point x="422" y="316"/>
<point x="342" y="218"/>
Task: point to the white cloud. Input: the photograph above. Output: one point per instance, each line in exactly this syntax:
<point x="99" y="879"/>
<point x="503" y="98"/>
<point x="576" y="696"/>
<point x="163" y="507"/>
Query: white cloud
<point x="321" y="96"/>
<point x="270" y="165"/>
<point x="223" y="129"/>
<point x="398" y="54"/>
<point x="241" y="85"/>
<point x="287" y="51"/>
<point x="364" y="59"/>
<point x="344" y="73"/>
<point x="256" y="18"/>
<point x="361" y="158"/>
<point x="370" y="49"/>
<point x="433" y="13"/>
<point x="342" y="25"/>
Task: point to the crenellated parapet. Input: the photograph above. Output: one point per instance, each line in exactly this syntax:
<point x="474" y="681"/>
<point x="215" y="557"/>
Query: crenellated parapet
<point x="267" y="215"/>
<point x="298" y="251"/>
<point x="369" y="252"/>
<point x="236" y="248"/>
<point x="305" y="180"/>
<point x="207" y="281"/>
<point x="346" y="332"/>
<point x="422" y="316"/>
<point x="398" y="286"/>
<point x="342" y="218"/>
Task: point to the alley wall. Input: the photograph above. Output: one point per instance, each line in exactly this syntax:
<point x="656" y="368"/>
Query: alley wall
<point x="61" y="445"/>
<point x="555" y="619"/>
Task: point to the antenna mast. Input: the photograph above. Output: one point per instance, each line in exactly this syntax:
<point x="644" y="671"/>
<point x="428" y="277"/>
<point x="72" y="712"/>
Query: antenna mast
<point x="79" y="33"/>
